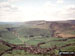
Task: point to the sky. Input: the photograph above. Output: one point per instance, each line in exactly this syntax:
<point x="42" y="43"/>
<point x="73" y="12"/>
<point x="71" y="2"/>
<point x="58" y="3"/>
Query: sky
<point x="29" y="10"/>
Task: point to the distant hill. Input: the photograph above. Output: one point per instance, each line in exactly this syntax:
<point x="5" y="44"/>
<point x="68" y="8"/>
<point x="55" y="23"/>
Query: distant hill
<point x="31" y="29"/>
<point x="72" y="21"/>
<point x="48" y="36"/>
<point x="58" y="28"/>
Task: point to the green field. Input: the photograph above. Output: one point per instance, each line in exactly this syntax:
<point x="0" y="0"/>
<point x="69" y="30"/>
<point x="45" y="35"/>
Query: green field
<point x="32" y="36"/>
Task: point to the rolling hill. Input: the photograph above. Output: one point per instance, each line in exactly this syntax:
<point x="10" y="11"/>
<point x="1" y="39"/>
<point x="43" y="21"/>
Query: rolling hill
<point x="63" y="28"/>
<point x="48" y="36"/>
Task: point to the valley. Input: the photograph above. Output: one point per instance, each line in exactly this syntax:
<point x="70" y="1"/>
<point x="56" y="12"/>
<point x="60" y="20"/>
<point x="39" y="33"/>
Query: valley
<point x="37" y="38"/>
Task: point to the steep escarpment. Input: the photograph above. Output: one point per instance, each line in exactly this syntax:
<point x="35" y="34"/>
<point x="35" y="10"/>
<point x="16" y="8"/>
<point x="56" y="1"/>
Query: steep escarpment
<point x="63" y="29"/>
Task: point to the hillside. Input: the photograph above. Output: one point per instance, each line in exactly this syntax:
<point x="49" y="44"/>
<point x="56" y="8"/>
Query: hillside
<point x="32" y="29"/>
<point x="62" y="28"/>
<point x="37" y="38"/>
<point x="48" y="47"/>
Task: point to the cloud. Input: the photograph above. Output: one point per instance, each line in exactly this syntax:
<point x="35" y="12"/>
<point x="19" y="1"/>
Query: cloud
<point x="9" y="12"/>
<point x="52" y="12"/>
<point x="68" y="12"/>
<point x="48" y="11"/>
<point x="60" y="1"/>
<point x="7" y="6"/>
<point x="14" y="1"/>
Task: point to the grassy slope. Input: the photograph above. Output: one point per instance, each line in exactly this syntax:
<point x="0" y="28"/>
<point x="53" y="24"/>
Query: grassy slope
<point x="3" y="47"/>
<point x="52" y="43"/>
<point x="39" y="35"/>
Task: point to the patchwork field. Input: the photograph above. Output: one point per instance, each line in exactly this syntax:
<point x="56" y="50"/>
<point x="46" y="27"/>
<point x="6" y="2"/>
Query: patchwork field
<point x="36" y="39"/>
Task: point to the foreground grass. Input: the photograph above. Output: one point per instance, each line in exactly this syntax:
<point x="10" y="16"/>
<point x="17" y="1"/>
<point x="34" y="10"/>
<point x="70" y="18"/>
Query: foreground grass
<point x="20" y="53"/>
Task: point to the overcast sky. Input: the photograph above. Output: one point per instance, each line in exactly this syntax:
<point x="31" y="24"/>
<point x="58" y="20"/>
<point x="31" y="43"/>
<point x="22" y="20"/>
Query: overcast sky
<point x="28" y="10"/>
